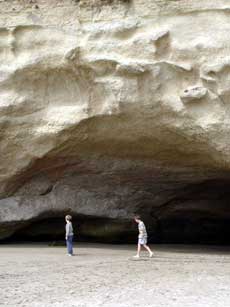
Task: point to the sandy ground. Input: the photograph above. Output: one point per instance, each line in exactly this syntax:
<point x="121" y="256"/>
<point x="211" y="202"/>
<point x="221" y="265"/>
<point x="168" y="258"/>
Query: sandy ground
<point x="106" y="275"/>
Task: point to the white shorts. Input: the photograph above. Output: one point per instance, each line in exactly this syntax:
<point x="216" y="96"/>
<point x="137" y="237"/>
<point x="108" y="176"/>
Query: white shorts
<point x="142" y="241"/>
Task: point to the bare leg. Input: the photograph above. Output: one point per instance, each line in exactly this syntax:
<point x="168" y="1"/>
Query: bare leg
<point x="138" y="249"/>
<point x="148" y="249"/>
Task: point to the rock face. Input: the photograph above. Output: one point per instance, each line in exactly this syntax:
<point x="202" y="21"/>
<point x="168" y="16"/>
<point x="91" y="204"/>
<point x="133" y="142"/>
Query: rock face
<point x="113" y="107"/>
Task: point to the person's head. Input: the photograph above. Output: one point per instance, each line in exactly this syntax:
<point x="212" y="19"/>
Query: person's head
<point x="68" y="218"/>
<point x="137" y="218"/>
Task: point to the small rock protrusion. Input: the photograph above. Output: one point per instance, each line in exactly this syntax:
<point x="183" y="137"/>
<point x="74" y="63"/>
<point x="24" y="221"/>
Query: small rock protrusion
<point x="73" y="54"/>
<point x="193" y="93"/>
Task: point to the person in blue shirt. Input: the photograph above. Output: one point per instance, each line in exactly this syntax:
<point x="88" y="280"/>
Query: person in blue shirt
<point x="69" y="234"/>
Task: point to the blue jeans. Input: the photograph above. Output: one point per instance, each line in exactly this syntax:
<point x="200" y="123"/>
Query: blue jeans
<point x="69" y="244"/>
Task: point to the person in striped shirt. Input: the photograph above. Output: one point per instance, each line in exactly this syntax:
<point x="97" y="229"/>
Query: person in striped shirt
<point x="142" y="237"/>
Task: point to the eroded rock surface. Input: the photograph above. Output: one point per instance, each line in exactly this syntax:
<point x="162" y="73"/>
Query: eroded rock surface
<point x="113" y="107"/>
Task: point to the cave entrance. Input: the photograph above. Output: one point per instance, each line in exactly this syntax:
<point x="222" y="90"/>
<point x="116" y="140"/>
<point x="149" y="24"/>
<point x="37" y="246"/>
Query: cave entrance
<point x="86" y="229"/>
<point x="194" y="230"/>
<point x="191" y="213"/>
<point x="189" y="228"/>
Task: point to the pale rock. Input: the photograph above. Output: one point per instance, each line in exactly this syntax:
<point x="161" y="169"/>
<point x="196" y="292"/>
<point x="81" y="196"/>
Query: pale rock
<point x="193" y="93"/>
<point x="113" y="107"/>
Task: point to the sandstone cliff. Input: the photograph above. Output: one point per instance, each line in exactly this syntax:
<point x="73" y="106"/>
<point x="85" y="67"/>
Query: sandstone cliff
<point x="114" y="107"/>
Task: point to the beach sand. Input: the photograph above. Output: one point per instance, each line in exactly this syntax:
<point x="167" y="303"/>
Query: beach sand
<point x="106" y="275"/>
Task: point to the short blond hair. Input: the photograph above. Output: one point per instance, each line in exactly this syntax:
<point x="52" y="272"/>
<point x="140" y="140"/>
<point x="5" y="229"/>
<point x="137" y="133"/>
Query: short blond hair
<point x="68" y="217"/>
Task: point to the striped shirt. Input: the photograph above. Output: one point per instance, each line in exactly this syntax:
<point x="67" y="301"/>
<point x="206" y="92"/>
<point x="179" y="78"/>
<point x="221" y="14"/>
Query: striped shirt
<point x="142" y="230"/>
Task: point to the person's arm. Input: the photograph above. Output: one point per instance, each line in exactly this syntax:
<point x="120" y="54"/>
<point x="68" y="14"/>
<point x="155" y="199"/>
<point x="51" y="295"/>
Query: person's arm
<point x="141" y="231"/>
<point x="66" y="231"/>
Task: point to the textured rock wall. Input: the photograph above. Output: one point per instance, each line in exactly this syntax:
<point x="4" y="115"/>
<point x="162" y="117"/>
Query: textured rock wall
<point x="110" y="107"/>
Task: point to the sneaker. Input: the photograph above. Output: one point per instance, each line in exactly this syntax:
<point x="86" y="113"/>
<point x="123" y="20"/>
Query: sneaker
<point x="151" y="255"/>
<point x="136" y="256"/>
<point x="70" y="255"/>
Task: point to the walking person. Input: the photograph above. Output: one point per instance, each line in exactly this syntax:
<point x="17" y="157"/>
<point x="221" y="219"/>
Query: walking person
<point x="69" y="234"/>
<point x="142" y="237"/>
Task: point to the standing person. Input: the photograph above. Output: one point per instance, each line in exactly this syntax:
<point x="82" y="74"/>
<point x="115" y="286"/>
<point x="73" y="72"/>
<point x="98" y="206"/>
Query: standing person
<point x="142" y="237"/>
<point x="69" y="234"/>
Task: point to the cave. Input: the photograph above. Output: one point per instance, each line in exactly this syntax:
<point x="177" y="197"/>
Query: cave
<point x="120" y="108"/>
<point x="174" y="212"/>
<point x="51" y="228"/>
